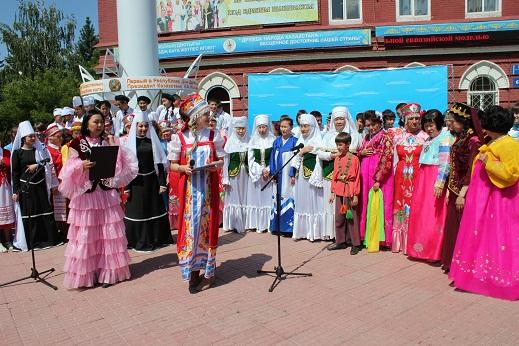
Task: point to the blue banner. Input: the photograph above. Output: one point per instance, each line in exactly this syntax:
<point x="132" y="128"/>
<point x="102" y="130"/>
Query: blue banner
<point x="278" y="94"/>
<point x="271" y="42"/>
<point x="447" y="28"/>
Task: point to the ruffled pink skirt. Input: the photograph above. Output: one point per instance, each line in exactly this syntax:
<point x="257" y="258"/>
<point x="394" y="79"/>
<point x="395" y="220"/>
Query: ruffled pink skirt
<point x="97" y="248"/>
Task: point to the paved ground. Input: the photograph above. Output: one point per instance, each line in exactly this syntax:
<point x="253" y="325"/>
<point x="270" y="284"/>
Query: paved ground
<point x="368" y="299"/>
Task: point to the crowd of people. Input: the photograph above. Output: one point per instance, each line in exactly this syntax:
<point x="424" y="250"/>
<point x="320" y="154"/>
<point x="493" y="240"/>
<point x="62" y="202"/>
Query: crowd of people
<point x="440" y="187"/>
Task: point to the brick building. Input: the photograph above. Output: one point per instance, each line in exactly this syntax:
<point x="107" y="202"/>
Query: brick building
<point x="478" y="39"/>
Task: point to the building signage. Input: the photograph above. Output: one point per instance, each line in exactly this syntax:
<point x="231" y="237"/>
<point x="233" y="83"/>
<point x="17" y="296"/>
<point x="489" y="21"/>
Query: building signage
<point x="188" y="15"/>
<point x="515" y="82"/>
<point x="448" y="28"/>
<point x="271" y="42"/>
<point x="476" y="38"/>
<point x="515" y="70"/>
<point x="117" y="85"/>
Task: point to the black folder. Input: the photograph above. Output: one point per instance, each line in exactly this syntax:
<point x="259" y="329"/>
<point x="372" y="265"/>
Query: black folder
<point x="105" y="159"/>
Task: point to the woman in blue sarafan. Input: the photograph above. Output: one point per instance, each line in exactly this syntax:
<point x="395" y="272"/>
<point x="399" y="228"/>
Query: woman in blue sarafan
<point x="281" y="153"/>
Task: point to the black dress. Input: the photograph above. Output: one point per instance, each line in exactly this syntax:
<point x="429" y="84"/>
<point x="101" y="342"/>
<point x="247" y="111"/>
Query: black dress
<point x="35" y="202"/>
<point x="146" y="218"/>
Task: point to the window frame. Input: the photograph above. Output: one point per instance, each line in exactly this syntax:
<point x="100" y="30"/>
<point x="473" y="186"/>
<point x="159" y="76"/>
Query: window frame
<point x="344" y="21"/>
<point x="480" y="93"/>
<point x="484" y="14"/>
<point x="412" y="18"/>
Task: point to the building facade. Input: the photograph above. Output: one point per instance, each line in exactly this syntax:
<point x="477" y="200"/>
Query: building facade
<point x="477" y="39"/>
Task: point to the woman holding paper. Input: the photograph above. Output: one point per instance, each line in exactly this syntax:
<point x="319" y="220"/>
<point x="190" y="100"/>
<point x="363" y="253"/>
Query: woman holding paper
<point x="191" y="148"/>
<point x="96" y="251"/>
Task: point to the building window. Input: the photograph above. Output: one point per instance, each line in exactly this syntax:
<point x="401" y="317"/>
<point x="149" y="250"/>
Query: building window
<point x="482" y="8"/>
<point x="482" y="82"/>
<point x="280" y="70"/>
<point x="413" y="10"/>
<point x="220" y="86"/>
<point x="483" y="93"/>
<point x="220" y="94"/>
<point x="345" y="11"/>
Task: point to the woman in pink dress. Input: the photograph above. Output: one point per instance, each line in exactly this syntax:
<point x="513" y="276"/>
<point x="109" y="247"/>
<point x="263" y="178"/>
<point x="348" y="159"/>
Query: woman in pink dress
<point x="408" y="144"/>
<point x="96" y="251"/>
<point x="486" y="254"/>
<point x="425" y="239"/>
<point x="376" y="154"/>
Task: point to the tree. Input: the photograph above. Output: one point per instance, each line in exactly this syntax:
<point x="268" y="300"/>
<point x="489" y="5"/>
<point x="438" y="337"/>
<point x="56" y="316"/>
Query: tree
<point x="88" y="38"/>
<point x="40" y="39"/>
<point x="34" y="99"/>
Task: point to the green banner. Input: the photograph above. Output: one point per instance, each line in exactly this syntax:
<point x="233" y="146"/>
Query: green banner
<point x="194" y="15"/>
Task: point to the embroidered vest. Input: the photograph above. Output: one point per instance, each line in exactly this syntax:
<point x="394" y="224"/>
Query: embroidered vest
<point x="236" y="160"/>
<point x="327" y="169"/>
<point x="262" y="156"/>
<point x="309" y="161"/>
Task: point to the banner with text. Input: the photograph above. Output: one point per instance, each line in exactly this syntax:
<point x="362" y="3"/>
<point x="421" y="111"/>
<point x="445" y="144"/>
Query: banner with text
<point x="188" y="15"/>
<point x="270" y="42"/>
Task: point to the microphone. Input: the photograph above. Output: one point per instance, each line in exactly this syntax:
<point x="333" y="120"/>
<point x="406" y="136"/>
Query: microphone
<point x="191" y="164"/>
<point x="298" y="147"/>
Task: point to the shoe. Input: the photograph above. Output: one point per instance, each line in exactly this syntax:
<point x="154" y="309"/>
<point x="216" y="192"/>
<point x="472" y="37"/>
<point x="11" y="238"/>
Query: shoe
<point x="205" y="284"/>
<point x="336" y="246"/>
<point x="2" y="248"/>
<point x="195" y="280"/>
<point x="354" y="250"/>
<point x="105" y="285"/>
<point x="15" y="249"/>
<point x="10" y="246"/>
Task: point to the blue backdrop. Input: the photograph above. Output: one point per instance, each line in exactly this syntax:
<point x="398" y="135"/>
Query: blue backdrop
<point x="278" y="94"/>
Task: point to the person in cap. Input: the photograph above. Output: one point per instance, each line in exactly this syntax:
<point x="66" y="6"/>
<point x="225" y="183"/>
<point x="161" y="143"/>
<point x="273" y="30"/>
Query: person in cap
<point x="145" y="215"/>
<point x="407" y="145"/>
<point x="259" y="202"/>
<point x="424" y="240"/>
<point x="75" y="131"/>
<point x="97" y="247"/>
<point x="77" y="104"/>
<point x="121" y="101"/>
<point x="7" y="216"/>
<point x="485" y="256"/>
<point x="196" y="146"/>
<point x="376" y="170"/>
<point x="223" y="119"/>
<point x="31" y="193"/>
<point x="67" y="115"/>
<point x="466" y="127"/>
<point x="59" y="202"/>
<point x="341" y="121"/>
<point x="57" y="113"/>
<point x="308" y="189"/>
<point x="236" y="177"/>
<point x="89" y="103"/>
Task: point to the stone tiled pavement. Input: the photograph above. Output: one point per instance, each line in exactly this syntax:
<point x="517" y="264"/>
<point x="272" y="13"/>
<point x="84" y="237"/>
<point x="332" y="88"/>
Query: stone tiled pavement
<point x="368" y="299"/>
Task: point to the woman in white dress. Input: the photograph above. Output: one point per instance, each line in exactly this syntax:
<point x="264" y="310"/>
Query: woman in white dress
<point x="308" y="192"/>
<point x="236" y="176"/>
<point x="259" y="203"/>
<point x="341" y="121"/>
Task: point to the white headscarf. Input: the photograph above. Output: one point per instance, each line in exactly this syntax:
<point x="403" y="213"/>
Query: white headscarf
<point x="314" y="136"/>
<point x="25" y="129"/>
<point x="159" y="156"/>
<point x="349" y="127"/>
<point x="235" y="143"/>
<point x="258" y="142"/>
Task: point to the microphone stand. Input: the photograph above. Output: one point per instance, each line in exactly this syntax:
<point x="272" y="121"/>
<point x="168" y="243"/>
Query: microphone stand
<point x="278" y="270"/>
<point x="35" y="274"/>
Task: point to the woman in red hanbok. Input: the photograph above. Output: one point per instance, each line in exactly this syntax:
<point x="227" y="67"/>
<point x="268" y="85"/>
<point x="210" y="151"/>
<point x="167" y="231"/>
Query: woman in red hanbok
<point x="408" y="144"/>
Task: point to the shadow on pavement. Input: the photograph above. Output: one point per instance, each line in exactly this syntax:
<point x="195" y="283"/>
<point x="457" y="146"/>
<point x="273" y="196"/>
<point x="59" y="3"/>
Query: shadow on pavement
<point x="231" y="270"/>
<point x="152" y="264"/>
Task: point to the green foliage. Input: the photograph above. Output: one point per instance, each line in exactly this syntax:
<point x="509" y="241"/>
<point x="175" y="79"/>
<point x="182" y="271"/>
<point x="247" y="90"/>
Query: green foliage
<point x="34" y="99"/>
<point x="41" y="68"/>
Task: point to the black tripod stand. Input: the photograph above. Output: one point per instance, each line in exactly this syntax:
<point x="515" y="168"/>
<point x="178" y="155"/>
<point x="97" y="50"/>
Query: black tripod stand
<point x="35" y="274"/>
<point x="278" y="270"/>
